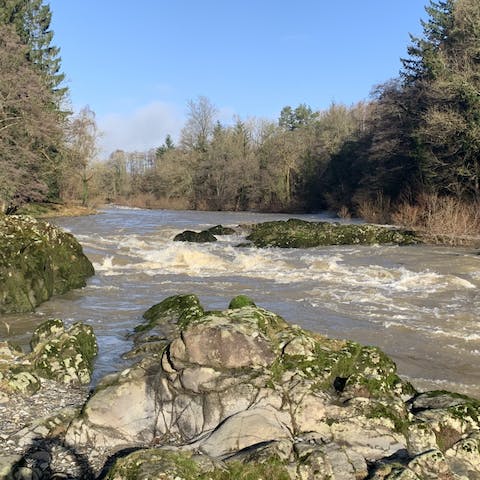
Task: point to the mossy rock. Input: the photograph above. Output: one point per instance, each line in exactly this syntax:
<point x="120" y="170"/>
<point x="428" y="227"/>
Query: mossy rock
<point x="38" y="260"/>
<point x="178" y="310"/>
<point x="241" y="301"/>
<point x="221" y="230"/>
<point x="196" y="237"/>
<point x="168" y="465"/>
<point x="345" y="368"/>
<point x="295" y="233"/>
<point x="65" y="355"/>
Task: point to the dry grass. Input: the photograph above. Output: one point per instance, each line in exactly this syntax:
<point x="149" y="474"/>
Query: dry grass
<point x="441" y="219"/>
<point x="375" y="210"/>
<point x="145" y="200"/>
<point x="344" y="213"/>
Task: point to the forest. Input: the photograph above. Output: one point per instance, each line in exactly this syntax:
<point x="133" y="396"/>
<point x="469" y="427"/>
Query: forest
<point x="409" y="155"/>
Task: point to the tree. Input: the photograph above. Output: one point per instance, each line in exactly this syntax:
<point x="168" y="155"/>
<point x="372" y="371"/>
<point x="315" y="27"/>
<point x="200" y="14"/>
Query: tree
<point x="291" y="119"/>
<point x="199" y="126"/>
<point x="31" y="19"/>
<point x="82" y="149"/>
<point x="445" y="71"/>
<point x="29" y="129"/>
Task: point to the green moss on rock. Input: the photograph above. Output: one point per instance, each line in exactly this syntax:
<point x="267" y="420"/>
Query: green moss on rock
<point x="204" y="236"/>
<point x="65" y="355"/>
<point x="241" y="301"/>
<point x="177" y="310"/>
<point x="167" y="465"/>
<point x="38" y="260"/>
<point x="296" y="233"/>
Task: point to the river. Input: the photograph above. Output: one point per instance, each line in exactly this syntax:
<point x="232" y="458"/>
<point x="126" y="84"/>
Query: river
<point x="420" y="304"/>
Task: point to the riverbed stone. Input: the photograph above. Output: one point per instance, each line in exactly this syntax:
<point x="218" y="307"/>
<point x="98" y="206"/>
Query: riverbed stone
<point x="38" y="260"/>
<point x="164" y="319"/>
<point x="295" y="233"/>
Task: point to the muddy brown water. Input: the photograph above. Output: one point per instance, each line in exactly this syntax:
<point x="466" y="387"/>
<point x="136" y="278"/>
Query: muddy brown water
<point x="419" y="304"/>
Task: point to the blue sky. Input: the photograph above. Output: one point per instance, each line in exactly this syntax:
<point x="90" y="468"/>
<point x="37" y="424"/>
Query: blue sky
<point x="137" y="64"/>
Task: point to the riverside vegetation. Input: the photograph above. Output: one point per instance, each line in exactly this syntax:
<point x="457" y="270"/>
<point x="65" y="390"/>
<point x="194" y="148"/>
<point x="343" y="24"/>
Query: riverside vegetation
<point x="240" y="393"/>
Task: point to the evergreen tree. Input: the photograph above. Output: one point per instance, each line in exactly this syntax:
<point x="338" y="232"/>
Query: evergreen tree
<point x="444" y="74"/>
<point x="31" y="19"/>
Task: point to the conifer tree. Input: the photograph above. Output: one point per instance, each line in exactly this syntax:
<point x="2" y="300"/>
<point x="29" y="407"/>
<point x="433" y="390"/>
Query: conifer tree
<point x="31" y="19"/>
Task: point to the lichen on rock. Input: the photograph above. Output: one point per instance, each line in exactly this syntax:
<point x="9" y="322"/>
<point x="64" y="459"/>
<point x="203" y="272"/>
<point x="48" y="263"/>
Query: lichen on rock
<point x="65" y="355"/>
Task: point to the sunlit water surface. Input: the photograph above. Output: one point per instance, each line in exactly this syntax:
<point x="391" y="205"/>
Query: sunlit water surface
<point x="420" y="304"/>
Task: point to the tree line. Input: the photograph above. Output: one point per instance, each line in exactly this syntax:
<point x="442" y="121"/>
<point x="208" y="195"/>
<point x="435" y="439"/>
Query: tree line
<point x="418" y="135"/>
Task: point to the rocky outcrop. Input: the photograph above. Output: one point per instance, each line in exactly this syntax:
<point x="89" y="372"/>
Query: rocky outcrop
<point x="38" y="260"/>
<point x="242" y="389"/>
<point x="296" y="233"/>
<point x="60" y="354"/>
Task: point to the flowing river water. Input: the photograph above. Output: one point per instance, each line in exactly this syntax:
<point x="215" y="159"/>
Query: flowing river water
<point x="420" y="304"/>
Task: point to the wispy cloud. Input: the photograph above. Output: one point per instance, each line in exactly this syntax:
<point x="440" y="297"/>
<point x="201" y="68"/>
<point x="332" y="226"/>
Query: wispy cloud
<point x="142" y="129"/>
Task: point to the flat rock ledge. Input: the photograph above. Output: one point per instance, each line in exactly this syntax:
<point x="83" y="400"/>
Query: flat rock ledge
<point x="38" y="260"/>
<point x="295" y="233"/>
<point x="241" y="393"/>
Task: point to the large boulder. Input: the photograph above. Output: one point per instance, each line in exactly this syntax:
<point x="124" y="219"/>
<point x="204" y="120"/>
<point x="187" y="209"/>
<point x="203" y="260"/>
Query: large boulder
<point x="295" y="233"/>
<point x="38" y="260"/>
<point x="242" y="392"/>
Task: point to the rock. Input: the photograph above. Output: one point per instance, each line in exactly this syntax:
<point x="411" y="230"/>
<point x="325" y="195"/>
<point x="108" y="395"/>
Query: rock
<point x="241" y="301"/>
<point x="244" y="391"/>
<point x="64" y="355"/>
<point x="296" y="233"/>
<point x="173" y="465"/>
<point x="221" y="230"/>
<point x="168" y="316"/>
<point x="197" y="237"/>
<point x="38" y="260"/>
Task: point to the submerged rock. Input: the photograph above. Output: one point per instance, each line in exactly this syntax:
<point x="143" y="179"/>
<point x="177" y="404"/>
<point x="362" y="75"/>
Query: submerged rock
<point x="38" y="260"/>
<point x="196" y="237"/>
<point x="221" y="230"/>
<point x="296" y="233"/>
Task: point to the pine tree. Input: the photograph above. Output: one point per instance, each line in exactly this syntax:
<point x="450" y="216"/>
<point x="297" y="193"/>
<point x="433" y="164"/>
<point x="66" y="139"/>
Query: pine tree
<point x="444" y="76"/>
<point x="31" y="19"/>
<point x="423" y="61"/>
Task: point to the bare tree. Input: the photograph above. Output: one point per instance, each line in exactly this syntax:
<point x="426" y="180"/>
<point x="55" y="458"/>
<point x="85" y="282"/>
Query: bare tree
<point x="82" y="149"/>
<point x="200" y="123"/>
